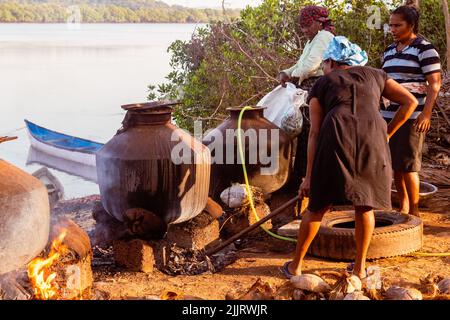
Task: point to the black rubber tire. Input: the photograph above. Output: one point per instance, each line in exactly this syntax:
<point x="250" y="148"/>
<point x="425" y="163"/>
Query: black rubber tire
<point x="403" y="236"/>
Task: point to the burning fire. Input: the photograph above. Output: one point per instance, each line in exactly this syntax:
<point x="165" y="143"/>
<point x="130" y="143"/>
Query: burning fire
<point x="44" y="284"/>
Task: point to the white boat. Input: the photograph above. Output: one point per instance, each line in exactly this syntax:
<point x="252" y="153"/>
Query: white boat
<point x="62" y="145"/>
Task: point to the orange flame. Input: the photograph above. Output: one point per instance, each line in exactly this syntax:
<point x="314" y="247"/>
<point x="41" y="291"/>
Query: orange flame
<point x="45" y="287"/>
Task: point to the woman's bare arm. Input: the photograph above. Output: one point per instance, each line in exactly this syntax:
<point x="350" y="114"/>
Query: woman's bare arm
<point x="423" y="122"/>
<point x="408" y="103"/>
<point x="316" y="115"/>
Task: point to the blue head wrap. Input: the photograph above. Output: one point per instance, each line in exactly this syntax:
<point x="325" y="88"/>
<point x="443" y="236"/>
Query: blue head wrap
<point x="342" y="50"/>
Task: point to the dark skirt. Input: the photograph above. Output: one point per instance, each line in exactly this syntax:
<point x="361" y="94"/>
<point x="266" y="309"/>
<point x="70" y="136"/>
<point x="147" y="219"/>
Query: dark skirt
<point x="352" y="162"/>
<point x="406" y="148"/>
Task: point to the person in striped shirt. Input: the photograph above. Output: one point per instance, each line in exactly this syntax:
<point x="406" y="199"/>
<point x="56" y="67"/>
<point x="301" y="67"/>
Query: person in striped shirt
<point x="413" y="62"/>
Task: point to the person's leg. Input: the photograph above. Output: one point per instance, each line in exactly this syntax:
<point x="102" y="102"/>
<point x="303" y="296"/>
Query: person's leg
<point x="308" y="230"/>
<point x="364" y="226"/>
<point x="412" y="183"/>
<point x="401" y="191"/>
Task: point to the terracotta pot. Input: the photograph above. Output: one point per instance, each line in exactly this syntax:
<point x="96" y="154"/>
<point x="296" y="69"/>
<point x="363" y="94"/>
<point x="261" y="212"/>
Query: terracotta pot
<point x="24" y="217"/>
<point x="136" y="168"/>
<point x="258" y="134"/>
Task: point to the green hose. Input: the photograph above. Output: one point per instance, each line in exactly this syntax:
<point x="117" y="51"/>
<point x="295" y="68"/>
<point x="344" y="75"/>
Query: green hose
<point x="426" y="254"/>
<point x="247" y="185"/>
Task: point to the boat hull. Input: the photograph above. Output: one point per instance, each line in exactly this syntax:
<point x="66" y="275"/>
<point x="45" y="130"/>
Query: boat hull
<point x="63" y="146"/>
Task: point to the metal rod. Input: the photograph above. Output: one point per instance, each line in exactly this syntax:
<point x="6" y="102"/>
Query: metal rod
<point x="252" y="227"/>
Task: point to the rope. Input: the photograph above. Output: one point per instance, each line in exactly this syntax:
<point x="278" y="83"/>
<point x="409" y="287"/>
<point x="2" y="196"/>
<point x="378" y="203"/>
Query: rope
<point x="429" y="254"/>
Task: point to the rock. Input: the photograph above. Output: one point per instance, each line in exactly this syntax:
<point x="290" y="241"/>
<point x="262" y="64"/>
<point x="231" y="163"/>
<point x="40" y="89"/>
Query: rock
<point x="444" y="286"/>
<point x="213" y="208"/>
<point x="310" y="282"/>
<point x="398" y="293"/>
<point x="135" y="255"/>
<point x="290" y="229"/>
<point x="357" y="295"/>
<point x="194" y="234"/>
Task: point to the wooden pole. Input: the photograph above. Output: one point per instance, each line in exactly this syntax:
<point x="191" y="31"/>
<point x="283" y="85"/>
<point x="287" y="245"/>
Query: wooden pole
<point x="4" y="139"/>
<point x="447" y="30"/>
<point x="252" y="227"/>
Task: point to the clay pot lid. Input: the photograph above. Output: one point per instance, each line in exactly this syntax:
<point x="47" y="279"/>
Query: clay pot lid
<point x="163" y="106"/>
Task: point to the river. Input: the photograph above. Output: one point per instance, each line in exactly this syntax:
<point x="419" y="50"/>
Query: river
<point x="74" y="80"/>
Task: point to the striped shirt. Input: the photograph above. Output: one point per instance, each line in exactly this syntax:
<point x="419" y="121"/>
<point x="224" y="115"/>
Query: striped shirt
<point x="410" y="67"/>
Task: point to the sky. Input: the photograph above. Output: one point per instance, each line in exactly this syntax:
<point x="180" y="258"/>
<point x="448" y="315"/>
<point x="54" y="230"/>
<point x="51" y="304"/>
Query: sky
<point x="213" y="3"/>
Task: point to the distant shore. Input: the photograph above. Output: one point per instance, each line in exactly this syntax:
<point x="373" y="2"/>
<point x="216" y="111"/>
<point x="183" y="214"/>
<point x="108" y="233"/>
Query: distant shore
<point x="198" y="22"/>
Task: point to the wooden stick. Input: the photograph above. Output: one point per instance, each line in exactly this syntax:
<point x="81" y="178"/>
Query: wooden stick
<point x="252" y="227"/>
<point x="4" y="139"/>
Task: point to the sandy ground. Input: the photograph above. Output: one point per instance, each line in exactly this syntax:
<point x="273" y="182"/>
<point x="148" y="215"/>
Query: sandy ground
<point x="262" y="256"/>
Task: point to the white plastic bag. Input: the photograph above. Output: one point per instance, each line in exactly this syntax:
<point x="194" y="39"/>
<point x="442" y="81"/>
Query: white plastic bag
<point x="283" y="108"/>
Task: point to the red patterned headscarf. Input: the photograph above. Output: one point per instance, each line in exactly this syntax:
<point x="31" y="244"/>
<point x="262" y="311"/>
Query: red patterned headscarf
<point x="309" y="14"/>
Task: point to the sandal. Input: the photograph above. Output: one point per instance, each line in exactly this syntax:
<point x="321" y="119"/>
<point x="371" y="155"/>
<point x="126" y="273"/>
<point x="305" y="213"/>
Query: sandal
<point x="350" y="268"/>
<point x="285" y="270"/>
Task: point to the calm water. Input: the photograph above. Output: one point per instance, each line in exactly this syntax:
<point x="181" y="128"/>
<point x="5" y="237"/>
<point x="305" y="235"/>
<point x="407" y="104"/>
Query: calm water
<point x="75" y="80"/>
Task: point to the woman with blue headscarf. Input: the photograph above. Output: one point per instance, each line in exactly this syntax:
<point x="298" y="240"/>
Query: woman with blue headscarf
<point x="348" y="154"/>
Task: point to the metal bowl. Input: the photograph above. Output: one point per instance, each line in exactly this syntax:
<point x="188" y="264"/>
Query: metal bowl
<point x="426" y="192"/>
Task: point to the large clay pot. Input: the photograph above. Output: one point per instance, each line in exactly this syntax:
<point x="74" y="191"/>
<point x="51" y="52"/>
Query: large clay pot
<point x="24" y="217"/>
<point x="136" y="169"/>
<point x="258" y="134"/>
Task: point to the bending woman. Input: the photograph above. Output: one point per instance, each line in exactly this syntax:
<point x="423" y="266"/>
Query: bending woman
<point x="348" y="153"/>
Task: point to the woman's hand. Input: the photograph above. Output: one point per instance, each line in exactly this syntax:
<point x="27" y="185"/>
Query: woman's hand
<point x="283" y="78"/>
<point x="423" y="122"/>
<point x="303" y="192"/>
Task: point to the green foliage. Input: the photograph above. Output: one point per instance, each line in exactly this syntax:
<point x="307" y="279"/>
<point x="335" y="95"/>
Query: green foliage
<point x="113" y="11"/>
<point x="236" y="62"/>
<point x="432" y="25"/>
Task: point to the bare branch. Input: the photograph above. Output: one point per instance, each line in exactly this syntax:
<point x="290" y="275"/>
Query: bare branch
<point x="248" y="56"/>
<point x="259" y="94"/>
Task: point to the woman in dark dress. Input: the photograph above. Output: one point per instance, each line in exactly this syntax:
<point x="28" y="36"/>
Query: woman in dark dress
<point x="348" y="152"/>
